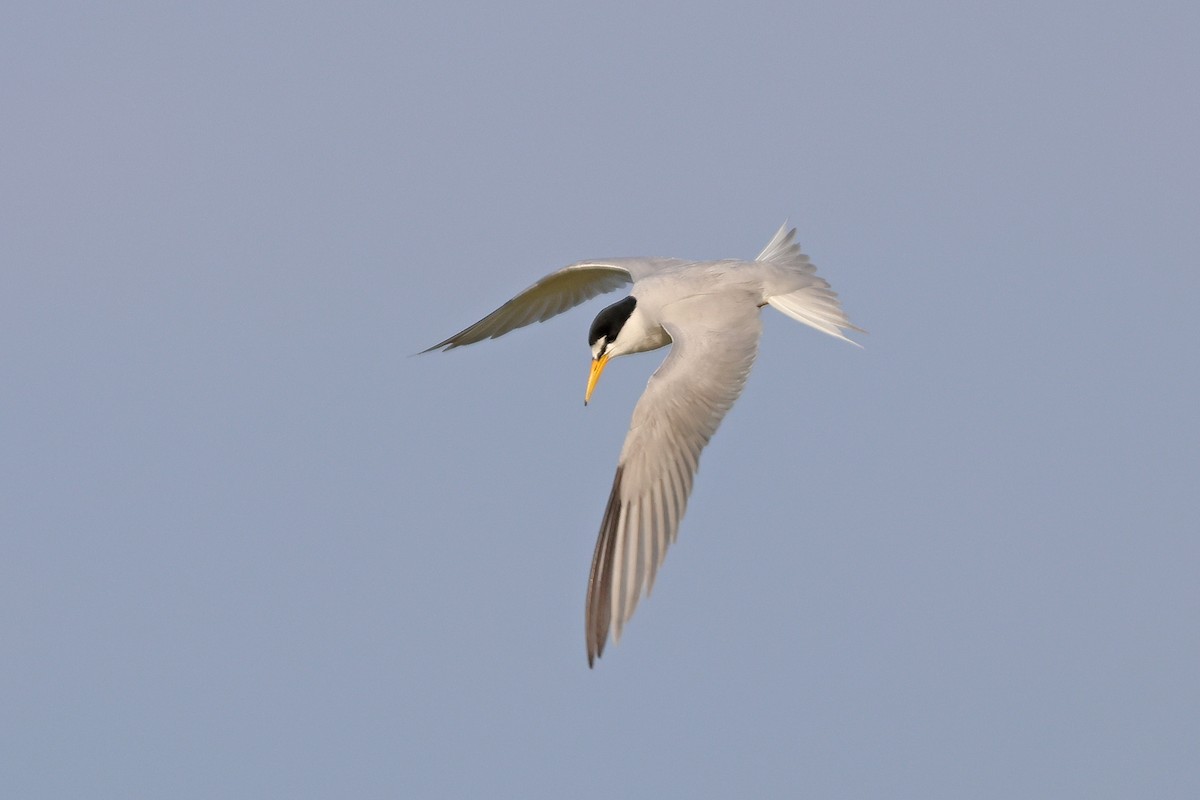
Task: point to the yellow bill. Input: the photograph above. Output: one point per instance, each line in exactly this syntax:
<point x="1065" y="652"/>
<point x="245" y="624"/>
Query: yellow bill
<point x="597" y="368"/>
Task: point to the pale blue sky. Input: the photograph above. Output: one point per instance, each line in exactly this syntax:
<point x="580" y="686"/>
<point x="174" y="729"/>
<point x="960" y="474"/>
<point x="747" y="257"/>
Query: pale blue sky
<point x="251" y="547"/>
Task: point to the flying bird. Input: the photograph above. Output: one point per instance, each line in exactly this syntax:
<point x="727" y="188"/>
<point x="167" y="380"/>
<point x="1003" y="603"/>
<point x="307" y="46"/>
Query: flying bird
<point x="708" y="312"/>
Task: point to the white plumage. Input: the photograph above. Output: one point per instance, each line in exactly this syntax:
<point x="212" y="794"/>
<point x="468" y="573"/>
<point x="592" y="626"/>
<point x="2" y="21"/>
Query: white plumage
<point x="708" y="312"/>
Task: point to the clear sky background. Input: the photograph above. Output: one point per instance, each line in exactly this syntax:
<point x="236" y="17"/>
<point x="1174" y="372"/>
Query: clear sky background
<point x="250" y="546"/>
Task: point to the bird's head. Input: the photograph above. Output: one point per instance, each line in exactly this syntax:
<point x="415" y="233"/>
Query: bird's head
<point x="605" y="338"/>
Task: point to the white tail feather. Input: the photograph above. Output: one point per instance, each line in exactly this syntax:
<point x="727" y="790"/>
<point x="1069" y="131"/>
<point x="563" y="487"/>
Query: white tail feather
<point x="782" y="246"/>
<point x="815" y="304"/>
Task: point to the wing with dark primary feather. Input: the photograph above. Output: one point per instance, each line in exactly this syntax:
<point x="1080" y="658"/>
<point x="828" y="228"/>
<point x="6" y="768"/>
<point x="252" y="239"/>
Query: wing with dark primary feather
<point x="547" y="298"/>
<point x="680" y="410"/>
<point x="556" y="293"/>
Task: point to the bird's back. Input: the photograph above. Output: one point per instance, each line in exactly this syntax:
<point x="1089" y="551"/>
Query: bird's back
<point x="763" y="279"/>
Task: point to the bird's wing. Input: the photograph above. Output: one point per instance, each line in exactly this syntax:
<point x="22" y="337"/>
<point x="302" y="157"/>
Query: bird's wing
<point x="714" y="342"/>
<point x="549" y="297"/>
<point x="556" y="293"/>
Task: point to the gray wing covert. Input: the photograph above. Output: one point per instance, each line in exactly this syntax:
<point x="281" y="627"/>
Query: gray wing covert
<point x="684" y="402"/>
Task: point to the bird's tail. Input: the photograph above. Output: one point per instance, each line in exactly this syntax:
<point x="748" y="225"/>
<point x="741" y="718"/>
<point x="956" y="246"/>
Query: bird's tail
<point x="782" y="247"/>
<point x="812" y="302"/>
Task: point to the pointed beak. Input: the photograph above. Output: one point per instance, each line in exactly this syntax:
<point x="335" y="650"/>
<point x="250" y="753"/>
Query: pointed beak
<point x="597" y="368"/>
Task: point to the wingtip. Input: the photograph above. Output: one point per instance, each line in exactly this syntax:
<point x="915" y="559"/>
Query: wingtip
<point x="443" y="346"/>
<point x="594" y="654"/>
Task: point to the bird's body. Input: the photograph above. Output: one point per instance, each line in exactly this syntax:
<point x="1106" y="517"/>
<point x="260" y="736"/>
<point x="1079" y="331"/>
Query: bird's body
<point x="709" y="312"/>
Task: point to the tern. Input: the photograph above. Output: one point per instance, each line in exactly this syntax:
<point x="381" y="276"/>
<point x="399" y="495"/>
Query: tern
<point x="708" y="311"/>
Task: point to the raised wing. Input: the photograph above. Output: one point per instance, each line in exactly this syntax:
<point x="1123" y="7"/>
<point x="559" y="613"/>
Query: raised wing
<point x="714" y="342"/>
<point x="547" y="298"/>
